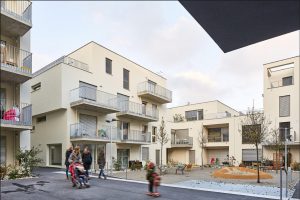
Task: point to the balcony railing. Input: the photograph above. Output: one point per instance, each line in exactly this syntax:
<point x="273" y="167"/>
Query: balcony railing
<point x="218" y="138"/>
<point x="21" y="10"/>
<point x="281" y="83"/>
<point x="16" y="115"/>
<point x="184" y="141"/>
<point x="15" y="59"/>
<point x="138" y="109"/>
<point x="84" y="131"/>
<point x="156" y="90"/>
<point x="96" y="97"/>
<point x="217" y="115"/>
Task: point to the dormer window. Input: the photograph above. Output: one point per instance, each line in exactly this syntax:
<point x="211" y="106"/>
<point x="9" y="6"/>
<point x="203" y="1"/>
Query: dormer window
<point x="287" y="81"/>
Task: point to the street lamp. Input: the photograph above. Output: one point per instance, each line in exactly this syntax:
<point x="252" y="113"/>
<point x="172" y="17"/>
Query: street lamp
<point x="110" y="138"/>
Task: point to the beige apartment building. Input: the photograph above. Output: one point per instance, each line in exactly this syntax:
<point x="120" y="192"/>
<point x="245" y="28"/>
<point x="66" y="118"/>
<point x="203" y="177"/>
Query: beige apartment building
<point x="281" y="103"/>
<point x="97" y="98"/>
<point x="16" y="65"/>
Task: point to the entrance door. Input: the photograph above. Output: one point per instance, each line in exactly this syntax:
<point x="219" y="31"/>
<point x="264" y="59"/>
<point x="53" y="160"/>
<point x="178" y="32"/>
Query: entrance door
<point x="88" y="125"/>
<point x="192" y="156"/>
<point x="157" y="156"/>
<point x="123" y="156"/>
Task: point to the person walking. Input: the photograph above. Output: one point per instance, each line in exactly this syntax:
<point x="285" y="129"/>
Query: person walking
<point x="153" y="179"/>
<point x="101" y="162"/>
<point x="67" y="163"/>
<point x="75" y="156"/>
<point x="87" y="160"/>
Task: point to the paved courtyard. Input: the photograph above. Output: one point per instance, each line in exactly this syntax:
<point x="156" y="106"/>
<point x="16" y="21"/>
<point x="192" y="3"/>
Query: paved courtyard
<point x="51" y="185"/>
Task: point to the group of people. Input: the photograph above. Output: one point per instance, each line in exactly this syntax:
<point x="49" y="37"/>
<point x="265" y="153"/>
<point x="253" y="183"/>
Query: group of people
<point x="75" y="156"/>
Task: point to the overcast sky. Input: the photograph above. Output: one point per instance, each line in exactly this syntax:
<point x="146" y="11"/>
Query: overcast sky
<point x="165" y="38"/>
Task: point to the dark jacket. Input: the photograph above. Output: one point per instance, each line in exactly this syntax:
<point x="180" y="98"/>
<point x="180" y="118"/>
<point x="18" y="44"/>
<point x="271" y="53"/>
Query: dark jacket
<point x="101" y="161"/>
<point x="68" y="153"/>
<point x="87" y="160"/>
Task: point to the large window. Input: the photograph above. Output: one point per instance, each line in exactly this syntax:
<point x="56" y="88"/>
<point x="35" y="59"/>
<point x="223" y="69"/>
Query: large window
<point x="218" y="134"/>
<point x="246" y="132"/>
<point x="145" y="154"/>
<point x="284" y="106"/>
<point x="125" y="79"/>
<point x="108" y="66"/>
<point x="282" y="127"/>
<point x="193" y="115"/>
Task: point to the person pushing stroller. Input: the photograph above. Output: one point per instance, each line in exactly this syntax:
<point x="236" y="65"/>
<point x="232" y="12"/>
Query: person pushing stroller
<point x="77" y="170"/>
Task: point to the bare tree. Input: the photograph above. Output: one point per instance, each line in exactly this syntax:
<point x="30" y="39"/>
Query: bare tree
<point x="163" y="139"/>
<point x="255" y="128"/>
<point x="202" y="142"/>
<point x="277" y="144"/>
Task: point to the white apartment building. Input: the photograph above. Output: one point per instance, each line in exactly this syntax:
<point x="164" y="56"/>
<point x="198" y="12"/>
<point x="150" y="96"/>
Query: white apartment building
<point x="281" y="102"/>
<point x="74" y="97"/>
<point x="16" y="67"/>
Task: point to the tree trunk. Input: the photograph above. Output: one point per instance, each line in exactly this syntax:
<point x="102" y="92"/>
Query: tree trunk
<point x="161" y="148"/>
<point x="276" y="162"/>
<point x="258" y="180"/>
<point x="202" y="167"/>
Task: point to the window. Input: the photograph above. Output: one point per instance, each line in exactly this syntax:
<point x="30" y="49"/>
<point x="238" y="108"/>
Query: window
<point x="3" y="150"/>
<point x="108" y="65"/>
<point x="246" y="129"/>
<point x="287" y="81"/>
<point x="41" y="119"/>
<point x="154" y="131"/>
<point x="200" y="114"/>
<point x="214" y="135"/>
<point x="282" y="126"/>
<point x="36" y="87"/>
<point x="145" y="154"/>
<point x="191" y="115"/>
<point x="125" y="79"/>
<point x="284" y="106"/>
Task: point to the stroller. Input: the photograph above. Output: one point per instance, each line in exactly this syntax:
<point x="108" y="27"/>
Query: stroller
<point x="78" y="175"/>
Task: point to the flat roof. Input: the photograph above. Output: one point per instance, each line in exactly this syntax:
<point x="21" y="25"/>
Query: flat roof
<point x="236" y="24"/>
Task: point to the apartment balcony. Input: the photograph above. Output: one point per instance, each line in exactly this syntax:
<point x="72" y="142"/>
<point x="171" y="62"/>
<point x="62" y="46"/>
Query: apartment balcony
<point x="16" y="18"/>
<point x="137" y="111"/>
<point x="91" y="99"/>
<point x="16" y="64"/>
<point x="217" y="141"/>
<point x="16" y="118"/>
<point x="185" y="142"/>
<point x="218" y="115"/>
<point x="84" y="132"/>
<point x="155" y="93"/>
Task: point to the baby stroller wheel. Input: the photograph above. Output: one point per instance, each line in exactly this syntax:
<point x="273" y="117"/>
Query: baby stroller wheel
<point x="87" y="185"/>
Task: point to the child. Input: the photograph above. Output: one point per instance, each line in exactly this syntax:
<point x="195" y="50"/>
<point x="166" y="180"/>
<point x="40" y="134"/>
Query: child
<point x="154" y="180"/>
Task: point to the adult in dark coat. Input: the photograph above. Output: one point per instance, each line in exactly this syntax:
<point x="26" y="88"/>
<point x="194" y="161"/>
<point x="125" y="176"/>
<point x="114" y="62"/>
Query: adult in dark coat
<point x="87" y="160"/>
<point x="101" y="163"/>
<point x="67" y="163"/>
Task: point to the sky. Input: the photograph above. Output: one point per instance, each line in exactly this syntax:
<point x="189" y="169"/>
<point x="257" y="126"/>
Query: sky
<point x="165" y="38"/>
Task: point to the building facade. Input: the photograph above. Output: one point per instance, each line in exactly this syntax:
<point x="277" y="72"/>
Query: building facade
<point x="16" y="68"/>
<point x="281" y="103"/>
<point x="97" y="98"/>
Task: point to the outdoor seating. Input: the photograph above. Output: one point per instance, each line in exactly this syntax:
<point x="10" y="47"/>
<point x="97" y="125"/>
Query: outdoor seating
<point x="180" y="168"/>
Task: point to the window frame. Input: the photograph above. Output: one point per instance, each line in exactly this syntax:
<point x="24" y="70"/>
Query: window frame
<point x="108" y="61"/>
<point x="279" y="103"/>
<point x="126" y="83"/>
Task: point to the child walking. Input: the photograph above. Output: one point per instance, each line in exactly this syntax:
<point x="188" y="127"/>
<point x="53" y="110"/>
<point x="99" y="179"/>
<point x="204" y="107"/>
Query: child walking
<point x="154" y="180"/>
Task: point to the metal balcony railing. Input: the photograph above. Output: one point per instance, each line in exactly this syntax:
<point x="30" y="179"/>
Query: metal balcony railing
<point x="138" y="109"/>
<point x="155" y="89"/>
<point x="81" y="130"/>
<point x="15" y="115"/>
<point x="21" y="10"/>
<point x="16" y="59"/>
<point x="225" y="138"/>
<point x="217" y="115"/>
<point x="98" y="97"/>
<point x="184" y="141"/>
<point x="281" y="83"/>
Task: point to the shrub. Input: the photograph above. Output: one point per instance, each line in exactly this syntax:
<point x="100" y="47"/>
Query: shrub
<point x="14" y="171"/>
<point x="146" y="165"/>
<point x="117" y="164"/>
<point x="28" y="160"/>
<point x="295" y="166"/>
<point x="3" y="171"/>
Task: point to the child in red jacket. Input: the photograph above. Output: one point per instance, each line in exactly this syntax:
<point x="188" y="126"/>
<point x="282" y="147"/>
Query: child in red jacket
<point x="154" y="180"/>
